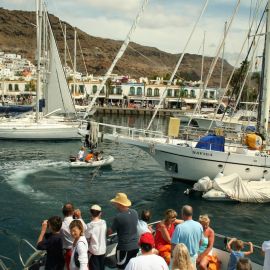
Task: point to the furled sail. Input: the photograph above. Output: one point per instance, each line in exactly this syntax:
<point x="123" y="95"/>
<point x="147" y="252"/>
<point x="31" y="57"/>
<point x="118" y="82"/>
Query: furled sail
<point x="57" y="94"/>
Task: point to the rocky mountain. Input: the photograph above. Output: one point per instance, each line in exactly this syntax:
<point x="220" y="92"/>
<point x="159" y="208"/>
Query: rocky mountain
<point x="17" y="35"/>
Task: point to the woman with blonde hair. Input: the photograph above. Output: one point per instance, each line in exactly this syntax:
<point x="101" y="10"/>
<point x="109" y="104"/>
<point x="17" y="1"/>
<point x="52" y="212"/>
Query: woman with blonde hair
<point x="206" y="244"/>
<point x="164" y="232"/>
<point x="181" y="258"/>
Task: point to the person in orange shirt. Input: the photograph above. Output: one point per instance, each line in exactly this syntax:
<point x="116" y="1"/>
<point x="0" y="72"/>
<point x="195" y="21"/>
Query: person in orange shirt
<point x="89" y="156"/>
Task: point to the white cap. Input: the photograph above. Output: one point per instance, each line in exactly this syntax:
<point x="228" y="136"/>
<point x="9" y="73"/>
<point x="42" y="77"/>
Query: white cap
<point x="95" y="207"/>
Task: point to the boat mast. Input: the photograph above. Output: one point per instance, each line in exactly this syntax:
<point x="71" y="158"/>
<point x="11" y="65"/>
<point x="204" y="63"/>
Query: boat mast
<point x="222" y="58"/>
<point x="39" y="30"/>
<point x="65" y="49"/>
<point x="75" y="50"/>
<point x="265" y="100"/>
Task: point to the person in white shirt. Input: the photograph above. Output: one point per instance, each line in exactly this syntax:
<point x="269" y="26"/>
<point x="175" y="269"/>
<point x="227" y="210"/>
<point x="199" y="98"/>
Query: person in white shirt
<point x="96" y="236"/>
<point x="69" y="215"/>
<point x="142" y="225"/>
<point x="81" y="154"/>
<point x="266" y="251"/>
<point x="148" y="260"/>
<point x="79" y="255"/>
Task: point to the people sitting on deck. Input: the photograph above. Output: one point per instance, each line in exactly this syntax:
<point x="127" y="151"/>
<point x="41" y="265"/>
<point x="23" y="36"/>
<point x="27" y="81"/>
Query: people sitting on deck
<point x="81" y="154"/>
<point x="142" y="225"/>
<point x="89" y="157"/>
<point x="164" y="232"/>
<point x="206" y="243"/>
<point x="98" y="155"/>
<point x="237" y="253"/>
<point x="181" y="258"/>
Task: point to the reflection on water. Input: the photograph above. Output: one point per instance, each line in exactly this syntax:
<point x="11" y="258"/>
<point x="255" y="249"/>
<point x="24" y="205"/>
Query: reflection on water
<point x="36" y="181"/>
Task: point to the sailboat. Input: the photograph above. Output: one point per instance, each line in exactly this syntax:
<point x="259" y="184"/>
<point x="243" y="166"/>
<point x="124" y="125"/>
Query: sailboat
<point x="46" y="125"/>
<point x="184" y="160"/>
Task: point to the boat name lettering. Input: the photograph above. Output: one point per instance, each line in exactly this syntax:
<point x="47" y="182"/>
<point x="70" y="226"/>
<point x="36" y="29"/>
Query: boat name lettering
<point x="202" y="153"/>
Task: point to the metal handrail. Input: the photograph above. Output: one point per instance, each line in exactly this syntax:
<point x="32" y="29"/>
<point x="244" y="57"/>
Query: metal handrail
<point x="3" y="265"/>
<point x="19" y="249"/>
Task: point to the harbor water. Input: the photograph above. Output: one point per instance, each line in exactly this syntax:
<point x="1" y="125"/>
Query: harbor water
<point x="36" y="181"/>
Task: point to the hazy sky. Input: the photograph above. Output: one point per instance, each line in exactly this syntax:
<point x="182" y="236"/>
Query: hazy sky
<point x="165" y="24"/>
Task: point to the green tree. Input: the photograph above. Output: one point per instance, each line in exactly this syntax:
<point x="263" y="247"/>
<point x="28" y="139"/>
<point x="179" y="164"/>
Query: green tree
<point x="238" y="80"/>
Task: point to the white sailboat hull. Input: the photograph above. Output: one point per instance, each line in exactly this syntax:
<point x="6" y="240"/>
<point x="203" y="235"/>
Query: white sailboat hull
<point x="37" y="131"/>
<point x="186" y="162"/>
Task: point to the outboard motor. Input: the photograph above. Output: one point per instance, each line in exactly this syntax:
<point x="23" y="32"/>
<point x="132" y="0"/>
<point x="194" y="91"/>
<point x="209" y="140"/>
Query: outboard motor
<point x="72" y="158"/>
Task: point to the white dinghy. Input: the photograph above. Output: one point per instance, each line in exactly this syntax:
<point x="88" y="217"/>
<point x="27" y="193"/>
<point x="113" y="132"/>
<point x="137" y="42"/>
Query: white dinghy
<point x="105" y="161"/>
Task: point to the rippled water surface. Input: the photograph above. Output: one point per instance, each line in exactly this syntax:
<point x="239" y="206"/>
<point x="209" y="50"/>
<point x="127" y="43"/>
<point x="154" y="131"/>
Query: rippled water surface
<point x="36" y="181"/>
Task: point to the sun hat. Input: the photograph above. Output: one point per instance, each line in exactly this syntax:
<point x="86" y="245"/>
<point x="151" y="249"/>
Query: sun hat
<point x="122" y="199"/>
<point x="95" y="207"/>
<point x="147" y="238"/>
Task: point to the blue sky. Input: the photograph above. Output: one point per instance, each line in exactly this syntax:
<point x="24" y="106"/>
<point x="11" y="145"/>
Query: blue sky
<point x="165" y="24"/>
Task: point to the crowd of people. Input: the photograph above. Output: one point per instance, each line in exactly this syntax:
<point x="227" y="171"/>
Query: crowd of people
<point x="177" y="244"/>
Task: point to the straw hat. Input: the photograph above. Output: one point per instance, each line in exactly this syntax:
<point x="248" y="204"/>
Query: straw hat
<point x="122" y="199"/>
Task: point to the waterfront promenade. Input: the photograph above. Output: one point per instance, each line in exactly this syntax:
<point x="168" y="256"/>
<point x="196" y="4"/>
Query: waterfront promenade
<point x="135" y="111"/>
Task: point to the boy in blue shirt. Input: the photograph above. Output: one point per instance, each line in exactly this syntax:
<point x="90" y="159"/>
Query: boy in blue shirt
<point x="237" y="253"/>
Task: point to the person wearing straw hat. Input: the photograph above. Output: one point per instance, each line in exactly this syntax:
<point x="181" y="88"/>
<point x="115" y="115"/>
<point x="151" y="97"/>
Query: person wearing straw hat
<point x="125" y="224"/>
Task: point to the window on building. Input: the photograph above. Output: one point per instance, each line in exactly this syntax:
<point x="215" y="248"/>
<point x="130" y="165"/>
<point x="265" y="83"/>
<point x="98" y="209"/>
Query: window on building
<point x="16" y="87"/>
<point x="149" y="92"/>
<point x="177" y="93"/>
<point x="139" y="91"/>
<point x="192" y="93"/>
<point x="119" y="90"/>
<point x="94" y="89"/>
<point x="169" y="92"/>
<point x="111" y="90"/>
<point x="81" y="89"/>
<point x="102" y="90"/>
<point x="156" y="92"/>
<point x="132" y="91"/>
<point x="212" y="94"/>
<point x="185" y="92"/>
<point x="205" y="94"/>
<point x="72" y="88"/>
<point x="10" y="88"/>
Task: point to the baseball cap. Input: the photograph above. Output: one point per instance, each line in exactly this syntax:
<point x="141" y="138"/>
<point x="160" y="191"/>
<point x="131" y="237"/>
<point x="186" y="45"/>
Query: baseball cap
<point x="95" y="207"/>
<point x="147" y="238"/>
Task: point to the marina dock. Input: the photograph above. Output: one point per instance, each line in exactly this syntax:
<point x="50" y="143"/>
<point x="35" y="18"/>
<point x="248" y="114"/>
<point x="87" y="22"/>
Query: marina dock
<point x="135" y="111"/>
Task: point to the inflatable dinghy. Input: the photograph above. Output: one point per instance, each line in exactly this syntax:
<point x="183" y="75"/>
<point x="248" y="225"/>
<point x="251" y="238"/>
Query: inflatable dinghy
<point x="105" y="161"/>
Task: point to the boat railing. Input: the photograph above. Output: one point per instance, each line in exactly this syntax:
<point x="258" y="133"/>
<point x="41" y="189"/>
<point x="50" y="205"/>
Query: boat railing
<point x="37" y="257"/>
<point x="7" y="263"/>
<point x="220" y="243"/>
<point x="234" y="141"/>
